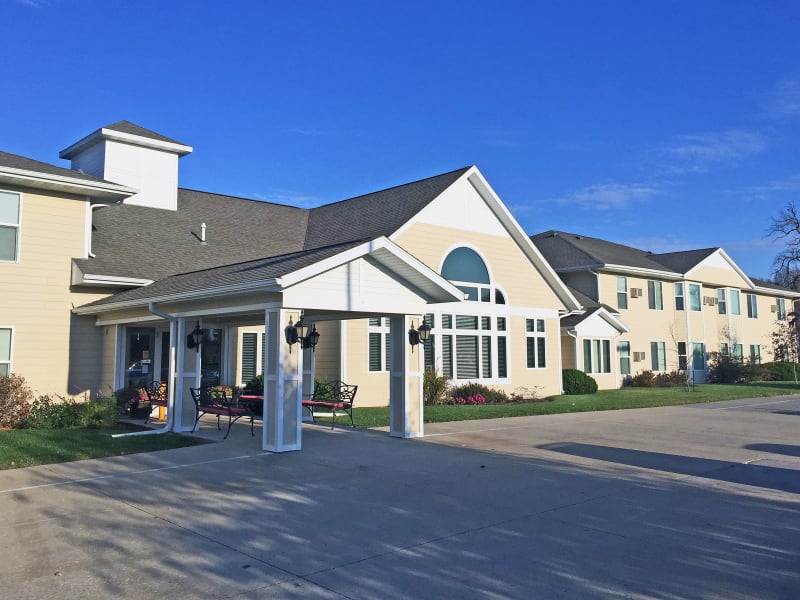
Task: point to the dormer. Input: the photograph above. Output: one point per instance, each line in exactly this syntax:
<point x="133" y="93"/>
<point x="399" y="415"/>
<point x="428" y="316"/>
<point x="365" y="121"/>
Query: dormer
<point x="132" y="156"/>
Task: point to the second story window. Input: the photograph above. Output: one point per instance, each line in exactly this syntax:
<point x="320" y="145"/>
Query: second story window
<point x="780" y="309"/>
<point x="678" y="296"/>
<point x="722" y="307"/>
<point x="655" y="298"/>
<point x="736" y="308"/>
<point x="752" y="306"/>
<point x="694" y="297"/>
<point x="622" y="291"/>
<point x="9" y="225"/>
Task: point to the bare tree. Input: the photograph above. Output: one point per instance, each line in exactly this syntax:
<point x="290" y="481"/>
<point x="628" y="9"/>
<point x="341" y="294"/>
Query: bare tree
<point x="786" y="266"/>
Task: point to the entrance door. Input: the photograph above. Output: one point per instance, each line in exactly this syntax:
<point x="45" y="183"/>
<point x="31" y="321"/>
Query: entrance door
<point x="139" y="357"/>
<point x="211" y="357"/>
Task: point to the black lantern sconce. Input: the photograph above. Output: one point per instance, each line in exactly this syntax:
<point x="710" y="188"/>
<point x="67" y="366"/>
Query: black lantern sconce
<point x="301" y="332"/>
<point x="194" y="339"/>
<point x="420" y="334"/>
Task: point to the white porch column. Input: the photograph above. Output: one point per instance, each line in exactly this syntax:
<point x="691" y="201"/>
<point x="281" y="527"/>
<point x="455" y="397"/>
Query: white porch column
<point x="405" y="393"/>
<point x="283" y="386"/>
<point x="186" y="369"/>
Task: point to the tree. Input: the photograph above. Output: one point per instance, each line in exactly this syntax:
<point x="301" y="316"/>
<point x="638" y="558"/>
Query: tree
<point x="786" y="266"/>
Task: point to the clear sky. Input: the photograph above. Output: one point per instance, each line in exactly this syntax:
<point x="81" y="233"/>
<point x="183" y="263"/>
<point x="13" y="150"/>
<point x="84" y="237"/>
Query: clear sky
<point x="662" y="125"/>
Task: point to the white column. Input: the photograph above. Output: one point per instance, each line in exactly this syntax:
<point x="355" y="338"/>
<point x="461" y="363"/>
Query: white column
<point x="283" y="386"/>
<point x="405" y="393"/>
<point x="186" y="376"/>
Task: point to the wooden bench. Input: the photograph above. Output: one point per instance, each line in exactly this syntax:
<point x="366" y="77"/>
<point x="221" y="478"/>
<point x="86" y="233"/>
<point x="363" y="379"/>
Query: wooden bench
<point x="218" y="402"/>
<point x="331" y="398"/>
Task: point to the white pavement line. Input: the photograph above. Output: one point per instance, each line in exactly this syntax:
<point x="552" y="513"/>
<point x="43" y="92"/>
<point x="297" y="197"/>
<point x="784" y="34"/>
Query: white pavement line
<point x="759" y="404"/>
<point x="87" y="479"/>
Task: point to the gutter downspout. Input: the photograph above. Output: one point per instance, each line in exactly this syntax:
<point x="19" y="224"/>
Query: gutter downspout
<point x="173" y="331"/>
<point x="573" y="333"/>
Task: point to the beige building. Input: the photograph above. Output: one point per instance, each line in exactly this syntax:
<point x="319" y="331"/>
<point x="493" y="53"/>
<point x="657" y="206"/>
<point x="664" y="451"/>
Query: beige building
<point x="659" y="312"/>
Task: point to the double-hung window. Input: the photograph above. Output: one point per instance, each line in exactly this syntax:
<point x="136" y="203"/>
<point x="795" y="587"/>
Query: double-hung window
<point x="722" y="306"/>
<point x="752" y="306"/>
<point x="698" y="356"/>
<point x="622" y="291"/>
<point x="694" y="297"/>
<point x="5" y="351"/>
<point x="378" y="335"/>
<point x="681" y="356"/>
<point x="535" y="343"/>
<point x="596" y="356"/>
<point x="655" y="298"/>
<point x="755" y="354"/>
<point x="252" y="356"/>
<point x="658" y="356"/>
<point x="624" y="350"/>
<point x="679" y="296"/>
<point x="10" y="203"/>
<point x="738" y="352"/>
<point x="780" y="309"/>
<point x="736" y="307"/>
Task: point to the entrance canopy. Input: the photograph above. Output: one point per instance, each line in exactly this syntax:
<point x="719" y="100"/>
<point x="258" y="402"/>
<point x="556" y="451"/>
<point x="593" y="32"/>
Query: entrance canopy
<point x="343" y="281"/>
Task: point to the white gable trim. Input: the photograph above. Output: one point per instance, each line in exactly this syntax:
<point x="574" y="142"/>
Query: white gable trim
<point x="603" y="314"/>
<point x="720" y="253"/>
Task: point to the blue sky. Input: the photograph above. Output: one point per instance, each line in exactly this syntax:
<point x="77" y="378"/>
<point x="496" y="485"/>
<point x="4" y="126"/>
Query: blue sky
<point x="663" y="125"/>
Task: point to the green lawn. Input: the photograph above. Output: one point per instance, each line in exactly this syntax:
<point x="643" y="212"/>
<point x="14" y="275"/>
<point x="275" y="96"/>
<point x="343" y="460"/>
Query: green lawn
<point x="30" y="447"/>
<point x="603" y="400"/>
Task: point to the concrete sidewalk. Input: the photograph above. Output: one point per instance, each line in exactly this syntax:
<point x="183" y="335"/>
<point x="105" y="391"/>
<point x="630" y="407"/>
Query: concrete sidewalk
<point x="676" y="502"/>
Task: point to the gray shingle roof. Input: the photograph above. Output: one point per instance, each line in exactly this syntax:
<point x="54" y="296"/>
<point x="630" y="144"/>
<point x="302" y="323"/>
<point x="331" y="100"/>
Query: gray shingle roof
<point x="567" y="250"/>
<point x="149" y="243"/>
<point x="681" y="262"/>
<point x="133" y="129"/>
<point x="14" y="161"/>
<point x="226" y="275"/>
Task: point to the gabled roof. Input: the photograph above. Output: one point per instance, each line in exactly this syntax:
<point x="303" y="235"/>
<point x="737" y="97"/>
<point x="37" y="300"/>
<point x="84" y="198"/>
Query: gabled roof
<point x="685" y="261"/>
<point x="567" y="251"/>
<point x="129" y="133"/>
<point x="149" y="243"/>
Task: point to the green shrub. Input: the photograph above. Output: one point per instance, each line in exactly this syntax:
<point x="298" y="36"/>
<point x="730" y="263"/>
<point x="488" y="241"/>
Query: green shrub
<point x="434" y="387"/>
<point x="15" y="401"/>
<point x="781" y="371"/>
<point x="490" y="395"/>
<point x="723" y="368"/>
<point x="255" y="386"/>
<point x="650" y="379"/>
<point x="48" y="414"/>
<point x="577" y="382"/>
<point x="643" y="379"/>
<point x="102" y="412"/>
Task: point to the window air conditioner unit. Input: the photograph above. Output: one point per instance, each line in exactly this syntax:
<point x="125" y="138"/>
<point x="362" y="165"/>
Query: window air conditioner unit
<point x="638" y="356"/>
<point x="774" y="308"/>
<point x="636" y="292"/>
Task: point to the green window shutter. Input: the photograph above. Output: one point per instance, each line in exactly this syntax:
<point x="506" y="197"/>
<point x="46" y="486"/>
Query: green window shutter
<point x="587" y="356"/>
<point x="249" y="356"/>
<point x="606" y="356"/>
<point x="654" y="356"/>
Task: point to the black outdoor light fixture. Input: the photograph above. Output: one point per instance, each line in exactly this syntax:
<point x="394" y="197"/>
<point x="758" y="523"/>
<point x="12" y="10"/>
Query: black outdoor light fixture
<point x="194" y="339"/>
<point x="301" y="332"/>
<point x="420" y="334"/>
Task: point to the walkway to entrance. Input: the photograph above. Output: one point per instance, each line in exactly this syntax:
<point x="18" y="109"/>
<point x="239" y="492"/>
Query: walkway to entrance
<point x="689" y="501"/>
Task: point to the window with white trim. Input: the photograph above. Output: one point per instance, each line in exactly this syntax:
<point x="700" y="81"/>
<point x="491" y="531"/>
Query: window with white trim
<point x="678" y="296"/>
<point x="698" y="356"/>
<point x="252" y="356"/>
<point x="738" y="352"/>
<point x="724" y="349"/>
<point x="752" y="306"/>
<point x="624" y="350"/>
<point x="10" y="203"/>
<point x="658" y="356"/>
<point x="535" y="343"/>
<point x="655" y="297"/>
<point x="780" y="309"/>
<point x="378" y="344"/>
<point x="682" y="356"/>
<point x="596" y="356"/>
<point x="694" y="297"/>
<point x="471" y="346"/>
<point x="736" y="306"/>
<point x="721" y="304"/>
<point x="622" y="291"/>
<point x="5" y="351"/>
<point x="755" y="354"/>
<point x="466" y="270"/>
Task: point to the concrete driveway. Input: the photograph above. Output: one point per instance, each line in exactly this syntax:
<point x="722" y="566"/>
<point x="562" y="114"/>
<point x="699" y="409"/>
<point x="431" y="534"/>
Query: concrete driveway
<point x="697" y="501"/>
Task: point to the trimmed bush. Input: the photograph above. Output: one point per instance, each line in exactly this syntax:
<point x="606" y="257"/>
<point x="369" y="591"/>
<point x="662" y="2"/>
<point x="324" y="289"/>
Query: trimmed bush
<point x="650" y="379"/>
<point x="577" y="382"/>
<point x="467" y="390"/>
<point x="15" y="401"/>
<point x="49" y="414"/>
<point x="781" y="371"/>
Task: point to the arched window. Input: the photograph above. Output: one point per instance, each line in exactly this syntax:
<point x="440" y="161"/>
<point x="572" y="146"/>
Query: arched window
<point x="464" y="264"/>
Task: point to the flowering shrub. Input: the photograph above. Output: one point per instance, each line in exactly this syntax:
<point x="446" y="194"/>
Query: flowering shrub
<point x="473" y="399"/>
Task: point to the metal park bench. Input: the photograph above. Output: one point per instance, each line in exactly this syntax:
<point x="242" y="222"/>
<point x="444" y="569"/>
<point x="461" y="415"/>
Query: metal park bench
<point x="331" y="399"/>
<point x="218" y="402"/>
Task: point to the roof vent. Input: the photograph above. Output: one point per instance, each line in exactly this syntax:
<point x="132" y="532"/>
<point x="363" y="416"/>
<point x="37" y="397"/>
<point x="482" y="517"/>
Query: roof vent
<point x="203" y="235"/>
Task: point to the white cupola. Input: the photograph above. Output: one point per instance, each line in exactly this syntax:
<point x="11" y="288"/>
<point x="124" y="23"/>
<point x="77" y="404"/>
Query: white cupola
<point x="133" y="156"/>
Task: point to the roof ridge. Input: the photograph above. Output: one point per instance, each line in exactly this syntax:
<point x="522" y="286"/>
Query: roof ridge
<point x="266" y="202"/>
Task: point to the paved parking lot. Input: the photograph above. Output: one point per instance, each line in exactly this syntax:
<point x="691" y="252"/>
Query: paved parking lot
<point x="696" y="501"/>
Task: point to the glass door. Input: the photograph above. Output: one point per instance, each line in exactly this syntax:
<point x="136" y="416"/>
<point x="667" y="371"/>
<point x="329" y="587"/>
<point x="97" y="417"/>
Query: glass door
<point x="139" y="354"/>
